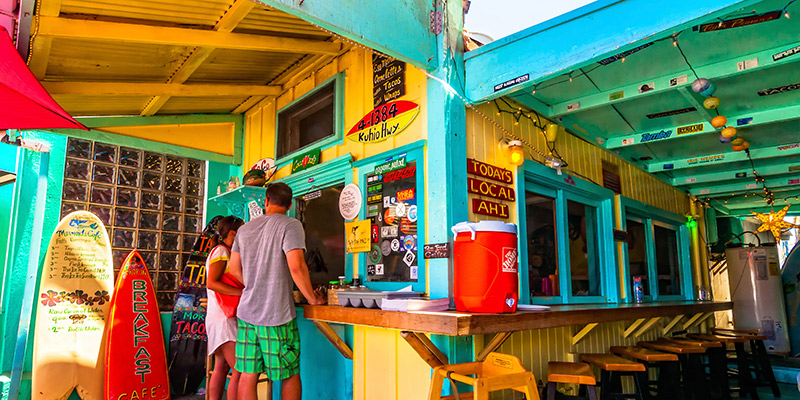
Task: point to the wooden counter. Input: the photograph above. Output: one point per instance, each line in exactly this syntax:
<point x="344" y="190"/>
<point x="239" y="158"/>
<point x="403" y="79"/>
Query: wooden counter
<point x="463" y="324"/>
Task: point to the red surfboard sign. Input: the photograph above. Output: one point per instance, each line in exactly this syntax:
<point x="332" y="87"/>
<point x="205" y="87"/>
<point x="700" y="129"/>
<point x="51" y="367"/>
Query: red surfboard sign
<point x="136" y="363"/>
<point x="384" y="122"/>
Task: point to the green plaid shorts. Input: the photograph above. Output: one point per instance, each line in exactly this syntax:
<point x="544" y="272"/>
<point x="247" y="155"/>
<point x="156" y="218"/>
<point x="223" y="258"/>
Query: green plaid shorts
<point x="274" y="350"/>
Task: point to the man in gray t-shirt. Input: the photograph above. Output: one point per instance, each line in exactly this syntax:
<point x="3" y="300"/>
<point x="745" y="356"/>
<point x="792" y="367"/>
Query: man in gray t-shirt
<point x="267" y="255"/>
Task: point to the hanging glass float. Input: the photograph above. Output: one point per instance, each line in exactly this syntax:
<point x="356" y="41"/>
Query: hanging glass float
<point x="711" y="103"/>
<point x="700" y="85"/>
<point x="729" y="132"/>
<point x="719" y="121"/>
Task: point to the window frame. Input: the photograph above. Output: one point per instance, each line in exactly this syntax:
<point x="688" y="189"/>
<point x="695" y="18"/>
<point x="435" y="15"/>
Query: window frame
<point x="541" y="180"/>
<point x="338" y="120"/>
<point x="650" y="217"/>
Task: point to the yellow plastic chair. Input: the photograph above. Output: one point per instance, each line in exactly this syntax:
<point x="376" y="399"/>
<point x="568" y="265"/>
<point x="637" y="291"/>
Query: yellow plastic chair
<point x="499" y="371"/>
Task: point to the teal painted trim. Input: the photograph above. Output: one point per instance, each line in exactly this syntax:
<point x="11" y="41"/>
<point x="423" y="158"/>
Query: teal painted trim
<point x="542" y="52"/>
<point x="31" y="277"/>
<point x="418" y="156"/>
<point x="730" y="175"/>
<point x="546" y="181"/>
<point x="759" y="118"/>
<point x="338" y="120"/>
<point x="8" y="259"/>
<point x="724" y="158"/>
<point x="745" y="185"/>
<point x="330" y="173"/>
<point x="376" y="159"/>
<point x="687" y="280"/>
<point x="399" y="30"/>
<point x="103" y="122"/>
<point x="151" y="145"/>
<point x="522" y="237"/>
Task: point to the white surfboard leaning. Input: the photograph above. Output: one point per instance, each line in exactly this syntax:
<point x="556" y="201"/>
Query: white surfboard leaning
<point x="72" y="307"/>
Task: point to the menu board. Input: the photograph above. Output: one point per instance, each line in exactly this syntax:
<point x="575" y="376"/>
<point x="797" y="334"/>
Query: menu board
<point x="392" y="208"/>
<point x="388" y="79"/>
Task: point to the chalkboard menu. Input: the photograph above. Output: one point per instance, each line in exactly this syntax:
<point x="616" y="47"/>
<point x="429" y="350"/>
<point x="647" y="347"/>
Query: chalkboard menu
<point x="388" y="79"/>
<point x="392" y="208"/>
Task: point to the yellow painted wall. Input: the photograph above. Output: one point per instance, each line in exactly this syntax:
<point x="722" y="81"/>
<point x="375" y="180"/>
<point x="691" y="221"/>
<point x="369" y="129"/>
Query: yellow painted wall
<point x="583" y="158"/>
<point x="385" y="367"/>
<point x="212" y="137"/>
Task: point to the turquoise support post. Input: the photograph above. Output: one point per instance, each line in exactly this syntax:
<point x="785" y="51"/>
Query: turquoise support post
<point x="30" y="280"/>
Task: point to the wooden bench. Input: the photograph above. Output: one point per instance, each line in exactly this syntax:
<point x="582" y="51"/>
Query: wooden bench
<point x="643" y="354"/>
<point x="570" y="372"/>
<point x="610" y="362"/>
<point x="612" y="368"/>
<point x="671" y="347"/>
<point x="703" y="344"/>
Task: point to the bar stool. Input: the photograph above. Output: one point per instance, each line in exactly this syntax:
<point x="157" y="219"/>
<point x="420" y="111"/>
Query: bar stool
<point x="612" y="368"/>
<point x="499" y="371"/>
<point x="763" y="368"/>
<point x="570" y="372"/>
<point x="717" y="362"/>
<point x="668" y="382"/>
<point x="746" y="383"/>
<point x="693" y="386"/>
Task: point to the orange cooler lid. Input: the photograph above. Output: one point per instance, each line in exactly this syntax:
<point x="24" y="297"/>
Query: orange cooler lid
<point x="484" y="226"/>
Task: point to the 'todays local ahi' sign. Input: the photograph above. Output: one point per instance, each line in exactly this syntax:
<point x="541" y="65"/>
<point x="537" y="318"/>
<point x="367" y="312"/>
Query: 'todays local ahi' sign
<point x="384" y="122"/>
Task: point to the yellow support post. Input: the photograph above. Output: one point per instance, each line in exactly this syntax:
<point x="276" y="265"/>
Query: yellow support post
<point x="671" y="324"/>
<point x="633" y="326"/>
<point x="649" y="324"/>
<point x="582" y="333"/>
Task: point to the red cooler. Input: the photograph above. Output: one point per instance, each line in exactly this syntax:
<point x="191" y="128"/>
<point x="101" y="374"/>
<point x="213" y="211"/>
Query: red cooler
<point x="485" y="267"/>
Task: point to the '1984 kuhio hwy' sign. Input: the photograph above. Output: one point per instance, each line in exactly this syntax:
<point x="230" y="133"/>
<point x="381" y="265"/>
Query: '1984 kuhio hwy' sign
<point x="384" y="122"/>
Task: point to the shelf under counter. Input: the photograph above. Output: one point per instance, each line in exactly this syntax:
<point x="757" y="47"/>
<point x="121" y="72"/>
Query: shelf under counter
<point x="457" y="323"/>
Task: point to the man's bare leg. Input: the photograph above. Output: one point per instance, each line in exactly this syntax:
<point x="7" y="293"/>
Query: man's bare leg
<point x="291" y="388"/>
<point x="248" y="387"/>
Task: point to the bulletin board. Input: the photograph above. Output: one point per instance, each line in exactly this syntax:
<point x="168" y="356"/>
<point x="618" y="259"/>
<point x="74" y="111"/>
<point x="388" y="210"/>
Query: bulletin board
<point x="391" y="203"/>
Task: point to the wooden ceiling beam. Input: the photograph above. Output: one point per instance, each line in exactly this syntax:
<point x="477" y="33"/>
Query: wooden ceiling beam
<point x="169" y="36"/>
<point x="157" y="89"/>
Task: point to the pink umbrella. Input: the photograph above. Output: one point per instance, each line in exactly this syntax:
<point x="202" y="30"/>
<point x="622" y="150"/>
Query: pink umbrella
<point x="24" y="103"/>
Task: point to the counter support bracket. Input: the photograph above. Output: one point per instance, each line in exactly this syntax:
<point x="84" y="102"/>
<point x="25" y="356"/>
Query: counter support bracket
<point x="582" y="333"/>
<point x="493" y="345"/>
<point x="701" y="317"/>
<point x="646" y="327"/>
<point x="672" y="324"/>
<point x="634" y="325"/>
<point x="425" y="348"/>
<point x="335" y="340"/>
<point x="692" y="320"/>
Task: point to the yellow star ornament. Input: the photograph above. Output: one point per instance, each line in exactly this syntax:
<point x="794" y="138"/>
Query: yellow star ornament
<point x="774" y="222"/>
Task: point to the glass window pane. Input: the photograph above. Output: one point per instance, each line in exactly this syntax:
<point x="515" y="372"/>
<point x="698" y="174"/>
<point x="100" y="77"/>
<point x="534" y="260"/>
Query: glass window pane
<point x="191" y="224"/>
<point x="123" y="238"/>
<point x="104" y="213"/>
<point x="118" y="257"/>
<point x="130" y="157"/>
<point x="125" y="217"/>
<point x="188" y="242"/>
<point x="151" y="200"/>
<point x="128" y="177"/>
<point x="149" y="220"/>
<point x="170" y="242"/>
<point x="127" y="197"/>
<point x="67" y="208"/>
<point x="193" y="206"/>
<point x="669" y="281"/>
<point x="105" y="152"/>
<point x="153" y="161"/>
<point x="194" y="187"/>
<point x="76" y="169"/>
<point x="167" y="280"/>
<point x="174" y="165"/>
<point x="170" y="261"/>
<point x="173" y="184"/>
<point x="542" y="256"/>
<point x="74" y="190"/>
<point x="166" y="300"/>
<point x="150" y="258"/>
<point x="172" y="203"/>
<point x="172" y="222"/>
<point x="194" y="168"/>
<point x="103" y="174"/>
<point x="306" y="121"/>
<point x="637" y="255"/>
<point x="583" y="257"/>
<point x="79" y="148"/>
<point x="148" y="240"/>
<point x="151" y="180"/>
<point x="102" y="194"/>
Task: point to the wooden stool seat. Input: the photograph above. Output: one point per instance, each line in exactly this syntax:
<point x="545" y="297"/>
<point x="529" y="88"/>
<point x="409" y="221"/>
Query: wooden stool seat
<point x="671" y="347"/>
<point x="570" y="372"/>
<point x="718" y="338"/>
<point x="610" y="362"/>
<point x="747" y="334"/>
<point x="703" y="344"/>
<point x="497" y="372"/>
<point x="643" y="354"/>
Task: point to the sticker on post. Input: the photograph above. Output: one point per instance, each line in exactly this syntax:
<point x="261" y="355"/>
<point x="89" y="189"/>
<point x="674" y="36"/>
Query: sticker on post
<point x="378" y="269"/>
<point x="678" y="80"/>
<point x="413" y="272"/>
<point x="400" y="209"/>
<point x="254" y="209"/>
<point x="389" y="231"/>
<point x="409" y="258"/>
<point x="412" y="214"/>
<point x="395" y="245"/>
<point x="386" y="248"/>
<point x="509" y="259"/>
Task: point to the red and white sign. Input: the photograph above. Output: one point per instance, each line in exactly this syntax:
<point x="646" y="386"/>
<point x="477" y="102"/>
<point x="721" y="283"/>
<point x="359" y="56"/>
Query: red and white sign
<point x="384" y="122"/>
<point x="509" y="255"/>
<point x="476" y="167"/>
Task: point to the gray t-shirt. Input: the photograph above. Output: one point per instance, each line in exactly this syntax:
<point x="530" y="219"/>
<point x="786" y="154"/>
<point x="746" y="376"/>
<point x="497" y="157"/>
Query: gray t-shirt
<point x="262" y="244"/>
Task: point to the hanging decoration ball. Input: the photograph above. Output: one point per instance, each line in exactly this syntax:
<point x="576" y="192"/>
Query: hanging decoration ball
<point x="719" y="121"/>
<point x="711" y="103"/>
<point x="723" y="139"/>
<point x="740" y="147"/>
<point x="709" y="90"/>
<point x="738" y="141"/>
<point x="700" y="85"/>
<point x="729" y="132"/>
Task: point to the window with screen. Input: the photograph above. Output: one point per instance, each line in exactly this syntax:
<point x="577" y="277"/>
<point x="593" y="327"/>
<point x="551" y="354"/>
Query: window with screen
<point x="307" y="121"/>
<point x="148" y="201"/>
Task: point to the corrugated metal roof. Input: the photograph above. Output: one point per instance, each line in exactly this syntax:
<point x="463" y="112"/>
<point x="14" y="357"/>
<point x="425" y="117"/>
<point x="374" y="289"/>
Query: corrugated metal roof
<point x="72" y="57"/>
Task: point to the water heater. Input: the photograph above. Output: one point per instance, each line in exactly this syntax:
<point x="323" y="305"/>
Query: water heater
<point x="754" y="277"/>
